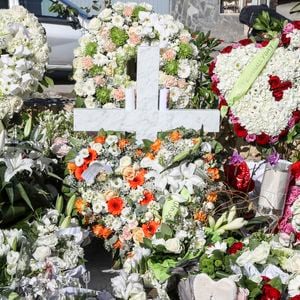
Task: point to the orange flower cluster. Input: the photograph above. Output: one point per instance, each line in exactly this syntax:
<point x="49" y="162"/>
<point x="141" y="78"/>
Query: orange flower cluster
<point x="200" y="216"/>
<point x="77" y="171"/>
<point x="80" y="205"/>
<point x="148" y="197"/>
<point x="100" y="139"/>
<point x="175" y="136"/>
<point x="101" y="231"/>
<point x="115" y="206"/>
<point x="212" y="197"/>
<point x="213" y="173"/>
<point x="138" y="180"/>
<point x="150" y="228"/>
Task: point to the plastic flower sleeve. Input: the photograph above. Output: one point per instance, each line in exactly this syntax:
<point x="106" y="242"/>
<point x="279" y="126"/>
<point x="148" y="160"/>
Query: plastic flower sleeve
<point x="274" y="189"/>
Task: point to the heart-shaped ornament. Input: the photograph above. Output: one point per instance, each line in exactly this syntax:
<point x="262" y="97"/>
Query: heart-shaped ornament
<point x="259" y="84"/>
<point x="207" y="289"/>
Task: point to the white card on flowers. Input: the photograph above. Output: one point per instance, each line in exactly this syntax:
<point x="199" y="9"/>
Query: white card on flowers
<point x="146" y="120"/>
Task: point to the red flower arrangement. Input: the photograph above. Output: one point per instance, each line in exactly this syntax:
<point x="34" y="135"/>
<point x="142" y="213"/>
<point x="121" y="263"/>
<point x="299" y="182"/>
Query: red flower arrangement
<point x="235" y="248"/>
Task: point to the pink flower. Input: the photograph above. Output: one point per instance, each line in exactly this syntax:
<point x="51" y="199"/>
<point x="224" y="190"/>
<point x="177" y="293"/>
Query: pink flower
<point x="109" y="46"/>
<point x="250" y="138"/>
<point x="126" y="235"/>
<point x="119" y="94"/>
<point x="60" y="147"/>
<point x="170" y="81"/>
<point x="215" y="78"/>
<point x="184" y="39"/>
<point x="99" y="80"/>
<point x="182" y="84"/>
<point x="169" y="55"/>
<point x="128" y="11"/>
<point x="87" y="62"/>
<point x="288" y="28"/>
<point x="134" y="39"/>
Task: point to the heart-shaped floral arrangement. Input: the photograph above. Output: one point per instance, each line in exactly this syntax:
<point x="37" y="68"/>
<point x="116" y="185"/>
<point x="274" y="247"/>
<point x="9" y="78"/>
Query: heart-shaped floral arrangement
<point x="270" y="107"/>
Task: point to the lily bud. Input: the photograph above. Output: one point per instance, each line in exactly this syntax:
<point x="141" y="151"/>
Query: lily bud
<point x="235" y="224"/>
<point x="211" y="222"/>
<point x="232" y="214"/>
<point x="221" y="220"/>
<point x="70" y="205"/>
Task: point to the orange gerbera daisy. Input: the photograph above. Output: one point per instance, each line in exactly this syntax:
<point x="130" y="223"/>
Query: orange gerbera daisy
<point x="100" y="139"/>
<point x="155" y="147"/>
<point x="148" y="197"/>
<point x="175" y="136"/>
<point x="122" y="143"/>
<point x="80" y="205"/>
<point x="71" y="167"/>
<point x="138" y="180"/>
<point x="213" y="173"/>
<point x="78" y="172"/>
<point x="115" y="206"/>
<point x="101" y="231"/>
<point x="150" y="228"/>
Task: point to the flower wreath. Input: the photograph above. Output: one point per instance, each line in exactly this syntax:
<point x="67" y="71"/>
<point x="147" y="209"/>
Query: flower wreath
<point x="111" y="41"/>
<point x="269" y="110"/>
<point x="23" y="57"/>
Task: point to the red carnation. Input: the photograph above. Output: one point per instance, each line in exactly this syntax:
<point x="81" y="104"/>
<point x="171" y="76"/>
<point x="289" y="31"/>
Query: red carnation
<point x="245" y="42"/>
<point x="296" y="24"/>
<point x="227" y="49"/>
<point x="214" y="88"/>
<point x="265" y="43"/>
<point x="278" y="95"/>
<point x="285" y="40"/>
<point x="274" y="82"/>
<point x="295" y="169"/>
<point x="238" y="177"/>
<point x="270" y="293"/>
<point x="211" y="68"/>
<point x="262" y="139"/>
<point x="295" y="297"/>
<point x="235" y="248"/>
<point x="296" y="116"/>
<point x="239" y="130"/>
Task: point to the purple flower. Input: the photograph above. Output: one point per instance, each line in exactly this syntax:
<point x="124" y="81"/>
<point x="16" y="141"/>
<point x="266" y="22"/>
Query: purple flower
<point x="236" y="158"/>
<point x="273" y="158"/>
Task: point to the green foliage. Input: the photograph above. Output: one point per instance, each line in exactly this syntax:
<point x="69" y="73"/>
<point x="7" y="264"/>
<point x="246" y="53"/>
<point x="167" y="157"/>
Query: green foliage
<point x="136" y="12"/>
<point x="267" y="26"/>
<point x="96" y="70"/>
<point x="185" y="51"/>
<point x="91" y="49"/>
<point x="171" y="67"/>
<point x="204" y="97"/>
<point x="103" y="95"/>
<point x="118" y="36"/>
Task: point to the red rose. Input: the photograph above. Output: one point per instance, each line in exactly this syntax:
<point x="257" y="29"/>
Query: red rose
<point x="265" y="278"/>
<point x="265" y="43"/>
<point x="214" y="88"/>
<point x="245" y="42"/>
<point x="295" y="169"/>
<point x="278" y="95"/>
<point x="286" y="85"/>
<point x="239" y="130"/>
<point x="235" y="248"/>
<point x="211" y="68"/>
<point x="270" y="293"/>
<point x="285" y="40"/>
<point x="283" y="133"/>
<point x="227" y="49"/>
<point x="238" y="177"/>
<point x="296" y="24"/>
<point x="295" y="297"/>
<point x="262" y="139"/>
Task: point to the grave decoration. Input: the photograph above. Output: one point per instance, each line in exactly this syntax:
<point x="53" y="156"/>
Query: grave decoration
<point x="258" y="86"/>
<point x="103" y="62"/>
<point x="23" y="58"/>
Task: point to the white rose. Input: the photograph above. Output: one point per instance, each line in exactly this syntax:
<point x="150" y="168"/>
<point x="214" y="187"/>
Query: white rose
<point x="111" y="139"/>
<point x="245" y="258"/>
<point x="125" y="161"/>
<point x="139" y="296"/>
<point x="117" y="21"/>
<point x="3" y="249"/>
<point x="49" y="240"/>
<point x="79" y="160"/>
<point x="12" y="257"/>
<point x="96" y="146"/>
<point x="173" y="245"/>
<point x="105" y="14"/>
<point x="261" y="253"/>
<point x="94" y="24"/>
<point x="41" y="253"/>
<point x="90" y="102"/>
<point x="292" y="264"/>
<point x="84" y="153"/>
<point x="294" y="286"/>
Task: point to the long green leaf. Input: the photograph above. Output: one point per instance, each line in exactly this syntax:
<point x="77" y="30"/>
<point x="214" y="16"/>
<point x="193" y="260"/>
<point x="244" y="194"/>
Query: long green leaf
<point x="10" y="193"/>
<point x="24" y="195"/>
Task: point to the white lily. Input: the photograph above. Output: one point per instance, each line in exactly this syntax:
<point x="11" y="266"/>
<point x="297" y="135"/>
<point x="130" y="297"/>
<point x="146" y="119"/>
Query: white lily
<point x="16" y="164"/>
<point x="235" y="224"/>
